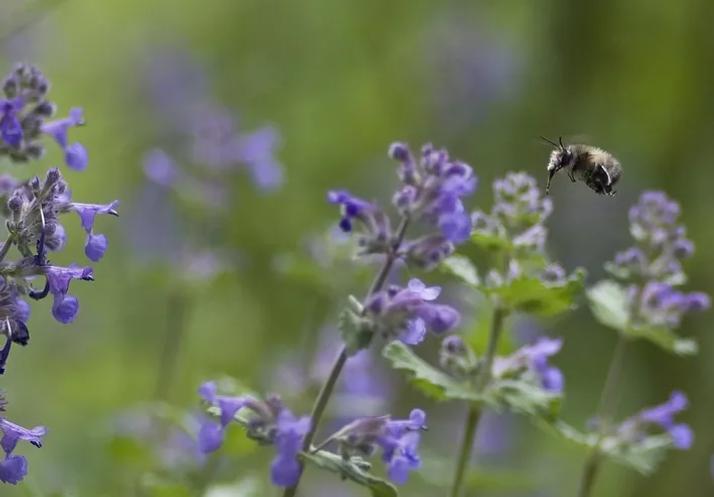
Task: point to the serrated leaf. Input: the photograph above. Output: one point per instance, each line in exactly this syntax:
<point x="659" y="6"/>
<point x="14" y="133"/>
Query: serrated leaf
<point x="524" y="398"/>
<point x="609" y="304"/>
<point x="351" y="469"/>
<point x="643" y="456"/>
<point x="462" y="268"/>
<point x="534" y="296"/>
<point x="512" y="394"/>
<point x="431" y="381"/>
<point x="355" y="333"/>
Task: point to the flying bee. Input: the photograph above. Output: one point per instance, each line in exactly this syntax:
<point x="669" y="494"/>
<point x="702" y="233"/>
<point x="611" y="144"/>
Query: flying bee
<point x="595" y="167"/>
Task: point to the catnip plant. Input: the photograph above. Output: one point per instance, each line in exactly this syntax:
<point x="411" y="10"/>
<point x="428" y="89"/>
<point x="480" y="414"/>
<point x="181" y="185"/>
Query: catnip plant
<point x="429" y="198"/>
<point x="32" y="210"/>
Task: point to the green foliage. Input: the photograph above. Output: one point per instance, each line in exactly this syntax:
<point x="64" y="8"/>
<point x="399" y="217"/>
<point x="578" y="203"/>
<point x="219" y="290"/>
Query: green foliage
<point x="461" y="267"/>
<point x="609" y="303"/>
<point x="534" y="296"/>
<point x="643" y="456"/>
<point x="500" y="393"/>
<point x="355" y="331"/>
<point x="355" y="469"/>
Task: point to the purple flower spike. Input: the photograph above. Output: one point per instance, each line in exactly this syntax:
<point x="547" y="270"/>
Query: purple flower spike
<point x="75" y="154"/>
<point x="534" y="359"/>
<point x="65" y="307"/>
<point x="96" y="244"/>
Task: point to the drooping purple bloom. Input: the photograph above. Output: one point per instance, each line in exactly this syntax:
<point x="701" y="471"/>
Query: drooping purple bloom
<point x="290" y="431"/>
<point x="64" y="306"/>
<point x="75" y="154"/>
<point x="96" y="244"/>
<point x="160" y="168"/>
<point x="635" y="428"/>
<point x="14" y="468"/>
<point x="408" y="313"/>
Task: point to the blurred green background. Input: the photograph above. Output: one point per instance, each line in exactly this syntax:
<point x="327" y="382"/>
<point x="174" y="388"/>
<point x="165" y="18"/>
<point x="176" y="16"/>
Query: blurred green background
<point x="341" y="80"/>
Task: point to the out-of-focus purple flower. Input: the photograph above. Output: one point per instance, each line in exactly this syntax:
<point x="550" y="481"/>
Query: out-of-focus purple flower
<point x="160" y="168"/>
<point x="661" y="305"/>
<point x="64" y="306"/>
<point x="635" y="428"/>
<point x="398" y="439"/>
<point x="10" y="127"/>
<point x="534" y="359"/>
<point x="408" y="313"/>
<point x="257" y="151"/>
<point x="660" y="242"/>
<point x="14" y="468"/>
<point x="270" y="422"/>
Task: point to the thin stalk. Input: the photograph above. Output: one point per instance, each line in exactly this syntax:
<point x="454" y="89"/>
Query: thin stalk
<point x="176" y="311"/>
<point x="474" y="414"/>
<point x="605" y="408"/>
<point x="323" y="397"/>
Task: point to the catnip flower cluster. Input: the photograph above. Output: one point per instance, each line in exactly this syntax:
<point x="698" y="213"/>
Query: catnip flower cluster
<point x="32" y="210"/>
<point x="633" y="430"/>
<point x="653" y="266"/>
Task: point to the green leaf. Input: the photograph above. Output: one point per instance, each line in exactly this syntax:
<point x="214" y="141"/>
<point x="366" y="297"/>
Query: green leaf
<point x="490" y="241"/>
<point x="462" y="268"/>
<point x="534" y="296"/>
<point x="355" y="469"/>
<point x="643" y="456"/>
<point x="524" y="397"/>
<point x="431" y="381"/>
<point x="512" y="394"/>
<point x="609" y="304"/>
<point x="355" y="331"/>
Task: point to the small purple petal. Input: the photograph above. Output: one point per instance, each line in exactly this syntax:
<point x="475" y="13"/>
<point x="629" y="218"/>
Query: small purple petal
<point x="210" y="436"/>
<point x="13" y="469"/>
<point x="95" y="247"/>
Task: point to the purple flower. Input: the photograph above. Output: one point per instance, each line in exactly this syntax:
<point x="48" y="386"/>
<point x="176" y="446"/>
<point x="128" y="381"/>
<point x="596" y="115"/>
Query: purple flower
<point x="65" y="307"/>
<point x="290" y="431"/>
<point x="408" y="313"/>
<point x="433" y="189"/>
<point x="398" y="439"/>
<point x="14" y="468"/>
<point x="661" y="305"/>
<point x="256" y="150"/>
<point x="662" y="416"/>
<point x="534" y="359"/>
<point x="160" y="168"/>
<point x="75" y="154"/>
<point x="270" y="422"/>
<point x="10" y="127"/>
<point x="96" y="244"/>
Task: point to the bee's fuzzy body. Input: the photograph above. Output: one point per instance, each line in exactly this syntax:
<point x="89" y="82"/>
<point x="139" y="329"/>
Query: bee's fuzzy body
<point x="595" y="167"/>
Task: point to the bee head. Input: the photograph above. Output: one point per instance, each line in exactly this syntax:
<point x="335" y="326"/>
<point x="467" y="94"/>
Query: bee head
<point x="562" y="156"/>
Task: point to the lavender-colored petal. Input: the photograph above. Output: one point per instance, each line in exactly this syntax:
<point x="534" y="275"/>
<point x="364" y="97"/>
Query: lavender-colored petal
<point x="13" y="469"/>
<point x="414" y="333"/>
<point x="95" y="246"/>
<point x="65" y="308"/>
<point x="210" y="436"/>
<point x="682" y="436"/>
<point x="76" y="157"/>
<point x="208" y="391"/>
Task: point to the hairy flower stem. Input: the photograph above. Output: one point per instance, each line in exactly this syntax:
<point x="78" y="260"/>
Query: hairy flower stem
<point x="323" y="397"/>
<point x="5" y="248"/>
<point x="474" y="414"/>
<point x="607" y="404"/>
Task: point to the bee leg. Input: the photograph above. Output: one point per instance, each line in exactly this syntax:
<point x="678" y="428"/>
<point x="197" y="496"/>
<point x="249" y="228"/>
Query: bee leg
<point x="571" y="176"/>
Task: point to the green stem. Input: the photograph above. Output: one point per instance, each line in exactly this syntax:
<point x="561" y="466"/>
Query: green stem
<point x="323" y="397"/>
<point x="605" y="408"/>
<point x="474" y="414"/>
<point x="176" y="311"/>
<point x="6" y="247"/>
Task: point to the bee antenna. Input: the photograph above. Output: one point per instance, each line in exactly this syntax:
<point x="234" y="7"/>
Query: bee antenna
<point x="560" y="140"/>
<point x="548" y="141"/>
